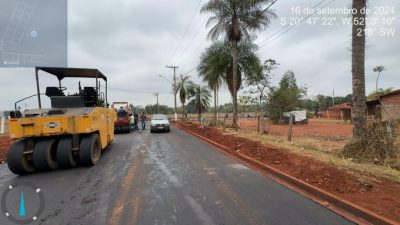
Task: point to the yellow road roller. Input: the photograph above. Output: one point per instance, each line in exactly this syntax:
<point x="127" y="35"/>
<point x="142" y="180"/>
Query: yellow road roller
<point x="75" y="130"/>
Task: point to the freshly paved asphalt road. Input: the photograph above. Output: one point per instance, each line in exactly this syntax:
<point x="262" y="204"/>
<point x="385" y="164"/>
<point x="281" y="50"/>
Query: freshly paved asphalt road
<point x="167" y="178"/>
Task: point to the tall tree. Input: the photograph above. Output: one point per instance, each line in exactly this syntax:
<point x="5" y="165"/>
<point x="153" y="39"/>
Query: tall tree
<point x="258" y="84"/>
<point x="216" y="64"/>
<point x="209" y="71"/>
<point x="131" y="107"/>
<point x="286" y="97"/>
<point x="182" y="88"/>
<point x="155" y="109"/>
<point x="234" y="19"/>
<point x="199" y="97"/>
<point x="358" y="68"/>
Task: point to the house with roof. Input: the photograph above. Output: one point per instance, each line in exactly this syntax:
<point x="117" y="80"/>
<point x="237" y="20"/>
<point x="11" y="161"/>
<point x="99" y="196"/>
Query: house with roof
<point x="385" y="106"/>
<point x="338" y="112"/>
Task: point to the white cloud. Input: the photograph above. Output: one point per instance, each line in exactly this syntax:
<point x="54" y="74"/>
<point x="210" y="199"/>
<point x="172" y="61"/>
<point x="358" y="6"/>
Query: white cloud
<point x="132" y="41"/>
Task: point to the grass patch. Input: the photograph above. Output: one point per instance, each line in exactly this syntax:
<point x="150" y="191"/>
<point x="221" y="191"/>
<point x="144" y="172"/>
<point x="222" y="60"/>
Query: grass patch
<point x="325" y="151"/>
<point x="334" y="121"/>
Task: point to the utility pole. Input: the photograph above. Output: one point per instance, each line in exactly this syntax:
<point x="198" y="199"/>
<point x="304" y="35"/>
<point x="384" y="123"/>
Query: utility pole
<point x="199" y="103"/>
<point x="333" y="97"/>
<point x="158" y="106"/>
<point x="174" y="86"/>
<point x="291" y="120"/>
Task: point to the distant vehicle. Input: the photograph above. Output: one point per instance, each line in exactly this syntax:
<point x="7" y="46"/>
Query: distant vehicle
<point x="159" y="122"/>
<point x="123" y="122"/>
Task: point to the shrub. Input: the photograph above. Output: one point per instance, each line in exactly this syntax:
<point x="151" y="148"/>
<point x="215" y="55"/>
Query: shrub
<point x="375" y="144"/>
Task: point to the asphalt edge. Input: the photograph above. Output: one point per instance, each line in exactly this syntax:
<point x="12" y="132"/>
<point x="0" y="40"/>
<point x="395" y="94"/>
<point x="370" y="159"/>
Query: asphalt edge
<point x="342" y="207"/>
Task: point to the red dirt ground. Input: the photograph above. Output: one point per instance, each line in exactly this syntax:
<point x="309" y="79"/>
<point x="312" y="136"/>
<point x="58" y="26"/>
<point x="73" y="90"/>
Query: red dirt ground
<point x="4" y="145"/>
<point x="379" y="195"/>
<point x="314" y="128"/>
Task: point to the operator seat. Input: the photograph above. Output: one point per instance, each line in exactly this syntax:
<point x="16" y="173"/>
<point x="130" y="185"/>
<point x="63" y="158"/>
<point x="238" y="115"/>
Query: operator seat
<point x="90" y="96"/>
<point x="54" y="91"/>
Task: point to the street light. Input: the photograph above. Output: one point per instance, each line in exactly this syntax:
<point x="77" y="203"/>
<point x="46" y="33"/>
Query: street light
<point x="173" y="87"/>
<point x="165" y="79"/>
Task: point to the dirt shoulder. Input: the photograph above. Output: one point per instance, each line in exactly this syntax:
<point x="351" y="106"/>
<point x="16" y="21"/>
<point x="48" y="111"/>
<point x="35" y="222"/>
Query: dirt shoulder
<point x="327" y="152"/>
<point x="377" y="194"/>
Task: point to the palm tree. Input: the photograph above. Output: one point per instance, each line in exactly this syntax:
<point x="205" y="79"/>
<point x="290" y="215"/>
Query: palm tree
<point x="199" y="97"/>
<point x="214" y="82"/>
<point x="235" y="19"/>
<point x="216" y="66"/>
<point x="358" y="69"/>
<point x="212" y="76"/>
<point x="182" y="88"/>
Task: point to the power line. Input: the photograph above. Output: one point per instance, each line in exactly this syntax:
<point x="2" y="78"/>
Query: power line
<point x="186" y="30"/>
<point x="198" y="31"/>
<point x="261" y="43"/>
<point x="270" y="5"/>
<point x="265" y="41"/>
<point x="204" y="40"/>
<point x="134" y="91"/>
<point x="191" y="70"/>
<point x="195" y="50"/>
<point x="166" y="99"/>
<point x="269" y="40"/>
<point x="190" y="56"/>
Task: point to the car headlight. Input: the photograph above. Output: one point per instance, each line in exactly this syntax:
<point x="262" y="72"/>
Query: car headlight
<point x="153" y="123"/>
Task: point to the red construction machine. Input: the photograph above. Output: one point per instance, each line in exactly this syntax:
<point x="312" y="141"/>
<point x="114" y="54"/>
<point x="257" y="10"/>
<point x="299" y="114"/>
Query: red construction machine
<point x="124" y="113"/>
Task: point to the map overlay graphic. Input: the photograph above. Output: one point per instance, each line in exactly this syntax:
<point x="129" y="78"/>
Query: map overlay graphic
<point x="33" y="33"/>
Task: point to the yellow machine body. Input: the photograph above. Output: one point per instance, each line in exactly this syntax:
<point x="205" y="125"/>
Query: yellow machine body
<point x="67" y="121"/>
<point x="74" y="131"/>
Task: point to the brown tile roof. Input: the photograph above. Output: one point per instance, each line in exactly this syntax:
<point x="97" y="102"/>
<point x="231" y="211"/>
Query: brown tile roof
<point x="341" y="106"/>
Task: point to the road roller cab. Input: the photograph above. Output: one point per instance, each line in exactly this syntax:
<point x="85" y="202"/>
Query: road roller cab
<point x="74" y="130"/>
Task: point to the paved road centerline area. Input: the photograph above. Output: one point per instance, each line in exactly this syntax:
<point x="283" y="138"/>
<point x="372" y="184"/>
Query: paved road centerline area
<point x="167" y="178"/>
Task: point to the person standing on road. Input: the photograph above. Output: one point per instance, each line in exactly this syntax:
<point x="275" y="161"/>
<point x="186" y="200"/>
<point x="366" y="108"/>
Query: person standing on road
<point x="143" y="120"/>
<point x="135" y="125"/>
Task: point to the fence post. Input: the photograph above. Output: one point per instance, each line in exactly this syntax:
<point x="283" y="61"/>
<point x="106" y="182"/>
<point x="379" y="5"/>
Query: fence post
<point x="263" y="121"/>
<point x="389" y="130"/>
<point x="291" y="118"/>
<point x="268" y="124"/>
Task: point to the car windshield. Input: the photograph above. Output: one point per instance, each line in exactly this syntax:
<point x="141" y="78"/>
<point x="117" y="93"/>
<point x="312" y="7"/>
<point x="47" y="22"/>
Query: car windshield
<point x="160" y="117"/>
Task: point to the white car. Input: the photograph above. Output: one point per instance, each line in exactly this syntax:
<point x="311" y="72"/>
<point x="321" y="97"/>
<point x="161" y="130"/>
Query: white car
<point x="159" y="122"/>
